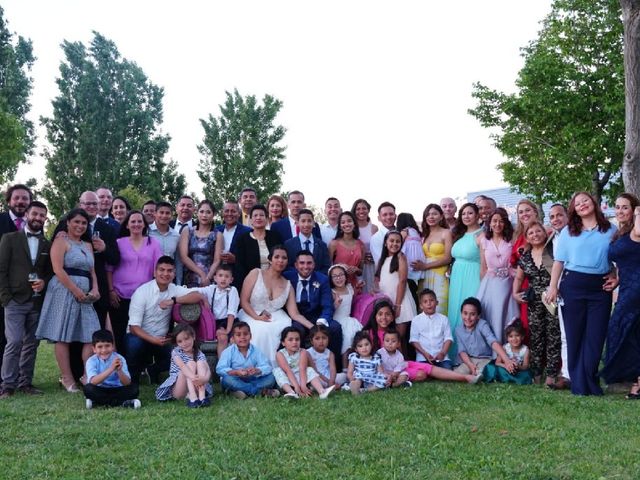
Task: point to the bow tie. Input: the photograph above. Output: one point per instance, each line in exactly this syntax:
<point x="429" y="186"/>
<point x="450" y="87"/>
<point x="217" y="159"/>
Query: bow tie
<point x="29" y="234"/>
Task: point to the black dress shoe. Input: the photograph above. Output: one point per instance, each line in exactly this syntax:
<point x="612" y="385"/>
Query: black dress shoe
<point x="30" y="390"/>
<point x="6" y="393"/>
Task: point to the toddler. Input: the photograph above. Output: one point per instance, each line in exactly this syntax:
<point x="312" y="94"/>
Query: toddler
<point x="365" y="367"/>
<point x="518" y="371"/>
<point x="322" y="359"/>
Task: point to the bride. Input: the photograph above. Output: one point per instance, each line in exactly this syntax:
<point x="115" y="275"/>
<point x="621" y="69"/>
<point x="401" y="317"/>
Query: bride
<point x="264" y="294"/>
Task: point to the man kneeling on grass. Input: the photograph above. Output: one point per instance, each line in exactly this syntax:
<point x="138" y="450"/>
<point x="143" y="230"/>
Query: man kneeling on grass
<point x="243" y="369"/>
<point x="108" y="379"/>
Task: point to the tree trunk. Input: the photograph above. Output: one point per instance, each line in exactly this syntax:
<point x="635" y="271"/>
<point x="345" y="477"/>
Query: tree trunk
<point x="631" y="160"/>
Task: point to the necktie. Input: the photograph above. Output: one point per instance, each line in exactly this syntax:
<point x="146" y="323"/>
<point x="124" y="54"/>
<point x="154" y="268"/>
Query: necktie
<point x="304" y="295"/>
<point x="297" y="230"/>
<point x="307" y="244"/>
<point x="19" y="221"/>
<point x="182" y="225"/>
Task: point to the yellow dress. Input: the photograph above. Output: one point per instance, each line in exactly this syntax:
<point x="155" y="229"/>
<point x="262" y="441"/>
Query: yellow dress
<point x="435" y="278"/>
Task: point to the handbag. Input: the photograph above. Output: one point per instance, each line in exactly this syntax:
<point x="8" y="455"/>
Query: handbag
<point x="199" y="317"/>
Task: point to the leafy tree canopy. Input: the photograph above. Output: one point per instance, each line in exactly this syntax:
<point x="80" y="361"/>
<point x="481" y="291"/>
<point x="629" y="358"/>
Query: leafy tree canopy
<point x="241" y="148"/>
<point x="563" y="130"/>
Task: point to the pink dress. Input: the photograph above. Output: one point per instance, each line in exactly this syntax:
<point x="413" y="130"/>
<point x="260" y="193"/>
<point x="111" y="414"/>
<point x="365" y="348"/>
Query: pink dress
<point x="498" y="306"/>
<point x="351" y="257"/>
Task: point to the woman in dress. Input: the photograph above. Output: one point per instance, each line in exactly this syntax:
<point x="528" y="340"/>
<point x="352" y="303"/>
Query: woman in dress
<point x="465" y="273"/>
<point x="67" y="313"/>
<point x="200" y="248"/>
<point x="265" y="294"/>
<point x="138" y="256"/>
<point x="347" y="249"/>
<point x="498" y="306"/>
<point x="526" y="212"/>
<point x="253" y="247"/>
<point x="581" y="259"/>
<point x="277" y="209"/>
<point x="119" y="209"/>
<point x="360" y="211"/>
<point x="622" y="357"/>
<point x="535" y="265"/>
<point x="436" y="244"/>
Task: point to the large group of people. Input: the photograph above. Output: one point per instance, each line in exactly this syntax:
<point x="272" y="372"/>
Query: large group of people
<point x="299" y="306"/>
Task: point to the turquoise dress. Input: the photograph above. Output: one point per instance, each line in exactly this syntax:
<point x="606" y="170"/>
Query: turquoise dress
<point x="465" y="281"/>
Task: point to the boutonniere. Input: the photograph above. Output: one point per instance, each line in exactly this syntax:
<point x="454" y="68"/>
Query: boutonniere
<point x="316" y="284"/>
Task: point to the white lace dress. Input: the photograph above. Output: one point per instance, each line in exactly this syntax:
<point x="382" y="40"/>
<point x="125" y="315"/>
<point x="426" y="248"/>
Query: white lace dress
<point x="266" y="335"/>
<point x="342" y="315"/>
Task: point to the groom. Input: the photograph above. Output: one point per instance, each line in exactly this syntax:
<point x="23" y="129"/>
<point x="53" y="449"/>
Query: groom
<point x="314" y="300"/>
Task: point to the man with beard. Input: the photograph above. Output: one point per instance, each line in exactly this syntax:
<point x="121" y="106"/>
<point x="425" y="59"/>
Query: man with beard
<point x="23" y="253"/>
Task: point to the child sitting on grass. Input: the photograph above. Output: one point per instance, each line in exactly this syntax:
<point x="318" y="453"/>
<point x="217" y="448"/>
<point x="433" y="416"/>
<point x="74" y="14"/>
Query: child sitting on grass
<point x="293" y="372"/>
<point x="108" y="379"/>
<point x="243" y="369"/>
<point x="476" y="341"/>
<point x="321" y="359"/>
<point x="516" y="351"/>
<point x="430" y="332"/>
<point x="189" y="373"/>
<point x="365" y="371"/>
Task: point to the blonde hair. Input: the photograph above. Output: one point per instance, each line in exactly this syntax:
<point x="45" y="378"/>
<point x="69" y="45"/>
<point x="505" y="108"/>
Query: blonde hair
<point x="519" y="225"/>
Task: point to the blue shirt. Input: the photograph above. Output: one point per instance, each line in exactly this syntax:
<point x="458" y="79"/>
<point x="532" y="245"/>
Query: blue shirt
<point x="585" y="253"/>
<point x="95" y="366"/>
<point x="476" y="342"/>
<point x="233" y="359"/>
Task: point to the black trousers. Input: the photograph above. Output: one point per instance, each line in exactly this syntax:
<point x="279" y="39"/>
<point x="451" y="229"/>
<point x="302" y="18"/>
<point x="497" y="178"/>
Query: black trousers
<point x="112" y="397"/>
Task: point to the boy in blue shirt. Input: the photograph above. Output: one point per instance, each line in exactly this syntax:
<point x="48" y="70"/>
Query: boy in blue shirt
<point x="108" y="378"/>
<point x="243" y="369"/>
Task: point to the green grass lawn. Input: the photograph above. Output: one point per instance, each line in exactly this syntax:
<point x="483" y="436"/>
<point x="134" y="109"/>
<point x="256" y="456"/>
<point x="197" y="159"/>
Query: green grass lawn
<point x="432" y="431"/>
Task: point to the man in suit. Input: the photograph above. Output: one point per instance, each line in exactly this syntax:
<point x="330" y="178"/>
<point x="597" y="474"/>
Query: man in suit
<point x="314" y="300"/>
<point x="184" y="210"/>
<point x="231" y="230"/>
<point x="247" y="199"/>
<point x="18" y="197"/>
<point x="288" y="227"/>
<point x="387" y="217"/>
<point x="306" y="240"/>
<point x="22" y="253"/>
<point x="105" y="199"/>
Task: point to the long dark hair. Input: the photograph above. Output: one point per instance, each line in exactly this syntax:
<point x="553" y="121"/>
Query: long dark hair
<point x="459" y="229"/>
<point x="507" y="232"/>
<point x="406" y="220"/>
<point x="358" y="202"/>
<point x="124" y="228"/>
<point x="426" y="229"/>
<point x="395" y="263"/>
<point x="372" y="325"/>
<point x="213" y="209"/>
<point x="623" y="229"/>
<point x="183" y="327"/>
<point x="124" y="200"/>
<point x="356" y="229"/>
<point x="575" y="221"/>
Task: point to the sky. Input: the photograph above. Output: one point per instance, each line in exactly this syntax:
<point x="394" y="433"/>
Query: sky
<point x="375" y="93"/>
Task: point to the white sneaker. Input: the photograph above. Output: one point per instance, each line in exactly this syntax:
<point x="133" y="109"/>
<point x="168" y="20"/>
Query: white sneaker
<point x="135" y="404"/>
<point x="345" y="387"/>
<point x="291" y="395"/>
<point x="238" y="394"/>
<point x="326" y="392"/>
<point x="88" y="403"/>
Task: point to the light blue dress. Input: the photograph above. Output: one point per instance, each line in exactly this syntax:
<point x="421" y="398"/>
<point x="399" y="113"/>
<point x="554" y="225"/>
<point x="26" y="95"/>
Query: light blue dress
<point x="465" y="280"/>
<point x="63" y="318"/>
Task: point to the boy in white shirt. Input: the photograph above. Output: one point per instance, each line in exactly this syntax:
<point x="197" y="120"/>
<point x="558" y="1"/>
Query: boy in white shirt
<point x="431" y="333"/>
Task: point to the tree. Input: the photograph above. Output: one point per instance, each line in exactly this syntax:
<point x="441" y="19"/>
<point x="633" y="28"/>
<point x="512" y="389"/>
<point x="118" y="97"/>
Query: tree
<point x="563" y="130"/>
<point x="241" y="148"/>
<point x="105" y="129"/>
<point x="17" y="135"/>
<point x="631" y="160"/>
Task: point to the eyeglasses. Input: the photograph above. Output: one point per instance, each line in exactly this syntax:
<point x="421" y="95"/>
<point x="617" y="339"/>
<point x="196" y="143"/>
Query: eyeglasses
<point x="337" y="275"/>
<point x="94" y="204"/>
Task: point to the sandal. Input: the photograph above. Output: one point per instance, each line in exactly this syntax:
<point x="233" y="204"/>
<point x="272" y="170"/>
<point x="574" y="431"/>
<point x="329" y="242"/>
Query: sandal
<point x="634" y="393"/>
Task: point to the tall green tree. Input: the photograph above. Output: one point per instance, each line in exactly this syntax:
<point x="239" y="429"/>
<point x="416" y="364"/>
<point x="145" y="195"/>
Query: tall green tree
<point x="631" y="160"/>
<point x="17" y="135"/>
<point x="105" y="128"/>
<point x="563" y="130"/>
<point x="241" y="148"/>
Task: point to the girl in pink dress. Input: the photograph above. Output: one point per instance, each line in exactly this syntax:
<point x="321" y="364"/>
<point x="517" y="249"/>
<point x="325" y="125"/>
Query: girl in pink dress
<point x="346" y="249"/>
<point x="360" y="211"/>
<point x="498" y="306"/>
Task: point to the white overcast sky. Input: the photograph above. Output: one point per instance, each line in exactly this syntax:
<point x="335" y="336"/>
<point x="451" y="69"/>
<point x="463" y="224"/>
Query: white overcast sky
<point x="375" y="93"/>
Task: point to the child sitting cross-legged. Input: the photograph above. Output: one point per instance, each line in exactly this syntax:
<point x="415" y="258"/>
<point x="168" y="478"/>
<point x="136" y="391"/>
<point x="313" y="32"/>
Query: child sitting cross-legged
<point x="476" y="341"/>
<point x="515" y="350"/>
<point x="243" y="369"/>
<point x="108" y="379"/>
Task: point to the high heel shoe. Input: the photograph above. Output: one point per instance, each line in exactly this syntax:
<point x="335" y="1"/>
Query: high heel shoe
<point x="71" y="388"/>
